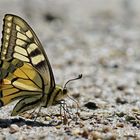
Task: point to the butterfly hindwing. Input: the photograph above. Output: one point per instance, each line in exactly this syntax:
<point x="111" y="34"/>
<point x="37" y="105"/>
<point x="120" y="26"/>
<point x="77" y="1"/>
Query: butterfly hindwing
<point x="25" y="104"/>
<point x="23" y="81"/>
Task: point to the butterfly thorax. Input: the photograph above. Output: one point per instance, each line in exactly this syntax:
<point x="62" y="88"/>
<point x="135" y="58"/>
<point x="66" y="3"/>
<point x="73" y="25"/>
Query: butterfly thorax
<point x="54" y="97"/>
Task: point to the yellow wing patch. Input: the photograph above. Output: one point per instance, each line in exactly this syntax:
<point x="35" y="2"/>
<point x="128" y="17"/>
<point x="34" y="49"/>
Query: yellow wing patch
<point x="24" y="81"/>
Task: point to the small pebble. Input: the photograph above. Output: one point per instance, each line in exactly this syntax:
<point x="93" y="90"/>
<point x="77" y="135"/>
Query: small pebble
<point x="86" y="115"/>
<point x="76" y="95"/>
<point x="47" y="118"/>
<point x="76" y="131"/>
<point x="129" y="118"/>
<point x="135" y="109"/>
<point x="2" y="137"/>
<point x="106" y="129"/>
<point x="121" y="87"/>
<point x="129" y="91"/>
<point x="111" y="136"/>
<point x="138" y="117"/>
<point x="121" y="101"/>
<point x="95" y="135"/>
<point x="58" y="126"/>
<point x="120" y="114"/>
<point x="91" y="105"/>
<point x="14" y="128"/>
<point x="121" y="125"/>
<point x="29" y="127"/>
<point x="85" y="133"/>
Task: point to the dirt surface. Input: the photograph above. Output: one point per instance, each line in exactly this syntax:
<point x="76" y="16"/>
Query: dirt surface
<point x="99" y="40"/>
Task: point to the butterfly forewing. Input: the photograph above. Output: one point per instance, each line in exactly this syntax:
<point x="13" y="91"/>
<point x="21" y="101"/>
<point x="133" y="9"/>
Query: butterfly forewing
<point x="20" y="42"/>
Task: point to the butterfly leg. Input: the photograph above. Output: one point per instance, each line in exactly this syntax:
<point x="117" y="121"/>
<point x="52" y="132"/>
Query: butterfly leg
<point x="38" y="113"/>
<point x="65" y="114"/>
<point x="31" y="115"/>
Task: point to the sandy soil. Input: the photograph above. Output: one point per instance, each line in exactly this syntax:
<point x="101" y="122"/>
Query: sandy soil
<point x="99" y="40"/>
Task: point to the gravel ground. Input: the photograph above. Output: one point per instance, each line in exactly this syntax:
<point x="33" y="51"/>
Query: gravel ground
<point x="99" y="40"/>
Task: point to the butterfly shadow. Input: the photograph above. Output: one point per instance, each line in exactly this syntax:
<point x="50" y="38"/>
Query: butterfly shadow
<point x="4" y="123"/>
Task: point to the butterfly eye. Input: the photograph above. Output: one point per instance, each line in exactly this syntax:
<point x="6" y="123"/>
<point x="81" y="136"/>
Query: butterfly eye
<point x="65" y="91"/>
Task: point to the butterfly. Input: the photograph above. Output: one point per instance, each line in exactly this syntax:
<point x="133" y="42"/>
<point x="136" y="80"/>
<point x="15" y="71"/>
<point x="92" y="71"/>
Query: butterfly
<point x="25" y="71"/>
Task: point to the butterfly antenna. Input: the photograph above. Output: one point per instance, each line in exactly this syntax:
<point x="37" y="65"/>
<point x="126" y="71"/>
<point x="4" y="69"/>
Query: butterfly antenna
<point x="79" y="77"/>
